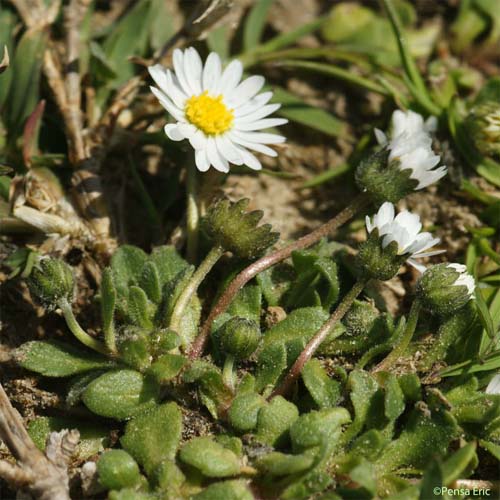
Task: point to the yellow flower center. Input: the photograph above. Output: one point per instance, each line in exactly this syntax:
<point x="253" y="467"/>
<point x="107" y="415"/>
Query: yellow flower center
<point x="209" y="113"/>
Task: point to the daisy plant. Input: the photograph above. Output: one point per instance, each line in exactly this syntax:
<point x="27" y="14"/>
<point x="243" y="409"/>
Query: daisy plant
<point x="221" y="116"/>
<point x="404" y="163"/>
<point x="392" y="241"/>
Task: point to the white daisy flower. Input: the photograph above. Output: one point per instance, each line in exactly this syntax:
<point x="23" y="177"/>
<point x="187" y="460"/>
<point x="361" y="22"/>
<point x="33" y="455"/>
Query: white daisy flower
<point x="494" y="385"/>
<point x="465" y="279"/>
<point x="410" y="144"/>
<point x="219" y="115"/>
<point x="404" y="229"/>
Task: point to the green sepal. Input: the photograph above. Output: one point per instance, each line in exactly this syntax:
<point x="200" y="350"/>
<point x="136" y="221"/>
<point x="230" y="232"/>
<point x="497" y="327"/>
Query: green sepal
<point x="154" y="435"/>
<point x="117" y="470"/>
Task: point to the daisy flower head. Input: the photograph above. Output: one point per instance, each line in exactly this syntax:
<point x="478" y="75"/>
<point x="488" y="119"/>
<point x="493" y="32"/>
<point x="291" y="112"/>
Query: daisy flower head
<point x="445" y="288"/>
<point x="406" y="162"/>
<point x="410" y="145"/>
<point x="221" y="116"/>
<point x="394" y="239"/>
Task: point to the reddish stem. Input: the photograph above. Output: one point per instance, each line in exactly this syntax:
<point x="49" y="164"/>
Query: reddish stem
<point x="318" y="338"/>
<point x="266" y="262"/>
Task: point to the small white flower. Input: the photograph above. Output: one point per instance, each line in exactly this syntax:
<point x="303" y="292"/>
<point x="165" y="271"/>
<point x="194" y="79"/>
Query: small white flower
<point x="219" y="115"/>
<point x="410" y="144"/>
<point x="465" y="279"/>
<point x="494" y="385"/>
<point x="404" y="229"/>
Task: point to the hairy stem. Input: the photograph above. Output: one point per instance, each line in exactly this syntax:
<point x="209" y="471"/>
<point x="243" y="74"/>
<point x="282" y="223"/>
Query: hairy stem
<point x="318" y="339"/>
<point x="269" y="260"/>
<point x="193" y="215"/>
<point x="228" y="372"/>
<point x="78" y="331"/>
<point x="182" y="302"/>
<point x="401" y="346"/>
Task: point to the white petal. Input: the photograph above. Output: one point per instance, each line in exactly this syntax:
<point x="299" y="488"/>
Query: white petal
<point x="214" y="156"/>
<point x="421" y="255"/>
<point x="159" y="75"/>
<point x="187" y="129"/>
<point x="385" y="215"/>
<point x="427" y="242"/>
<point x="257" y="114"/>
<point x="201" y="160"/>
<point x="460" y="268"/>
<point x="228" y="150"/>
<point x="168" y="104"/>
<point x="494" y="385"/>
<point x="231" y="77"/>
<point x="251" y="105"/>
<point x="174" y="90"/>
<point x="178" y="59"/>
<point x="380" y="136"/>
<point x="419" y="267"/>
<point x="260" y="124"/>
<point x="261" y="148"/>
<point x="419" y="243"/>
<point x="250" y="160"/>
<point x="411" y="222"/>
<point x="193" y="68"/>
<point x="260" y="137"/>
<point x="245" y="90"/>
<point x="212" y="73"/>
<point x="198" y="140"/>
<point x="369" y="226"/>
<point x="173" y="133"/>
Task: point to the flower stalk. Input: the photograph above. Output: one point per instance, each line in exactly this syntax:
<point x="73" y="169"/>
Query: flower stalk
<point x="78" y="331"/>
<point x="318" y="339"/>
<point x="270" y="260"/>
<point x="402" y="345"/>
<point x="192" y="286"/>
<point x="193" y="215"/>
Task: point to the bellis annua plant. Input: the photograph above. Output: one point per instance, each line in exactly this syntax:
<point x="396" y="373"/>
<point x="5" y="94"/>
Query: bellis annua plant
<point x="220" y="115"/>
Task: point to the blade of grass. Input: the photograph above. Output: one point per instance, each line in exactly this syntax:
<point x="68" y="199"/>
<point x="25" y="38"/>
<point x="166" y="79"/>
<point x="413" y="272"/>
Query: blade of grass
<point x="255" y="24"/>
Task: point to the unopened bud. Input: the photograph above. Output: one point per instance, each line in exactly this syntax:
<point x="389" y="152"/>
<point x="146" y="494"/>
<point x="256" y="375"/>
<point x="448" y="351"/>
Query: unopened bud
<point x="239" y="337"/>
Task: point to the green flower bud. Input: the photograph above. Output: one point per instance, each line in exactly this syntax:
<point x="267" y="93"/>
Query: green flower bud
<point x="237" y="231"/>
<point x="393" y="239"/>
<point x="360" y="318"/>
<point x="52" y="281"/>
<point x="445" y="288"/>
<point x="483" y="126"/>
<point x="382" y="179"/>
<point x="239" y="337"/>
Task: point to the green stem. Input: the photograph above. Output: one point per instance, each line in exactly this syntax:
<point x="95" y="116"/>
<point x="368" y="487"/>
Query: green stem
<point x="401" y="346"/>
<point x="228" y="371"/>
<point x="192" y="286"/>
<point x="193" y="214"/>
<point x="78" y="331"/>
<point x="318" y="338"/>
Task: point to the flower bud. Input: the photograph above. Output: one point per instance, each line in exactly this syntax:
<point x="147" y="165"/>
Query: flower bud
<point x="239" y="337"/>
<point x="445" y="288"/>
<point x="483" y="125"/>
<point x="51" y="281"/>
<point x="360" y="318"/>
<point x="237" y="231"/>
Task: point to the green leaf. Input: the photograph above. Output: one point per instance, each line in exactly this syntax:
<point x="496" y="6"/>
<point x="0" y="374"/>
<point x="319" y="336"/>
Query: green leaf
<point x="433" y="476"/>
<point x="255" y="23"/>
<point x="281" y="464"/>
<point x="94" y="437"/>
<point x="26" y="71"/>
<point x="455" y="466"/>
<point x="120" y="394"/>
<point x="168" y="262"/>
<point x="167" y="367"/>
<point x="394" y="399"/>
<point x="150" y="282"/>
<point x="117" y="470"/>
<point x="218" y="40"/>
<point x="324" y="390"/>
<point x="57" y="359"/>
<point x="275" y="282"/>
<point x="493" y="448"/>
<point x="108" y="302"/>
<point x="300" y="112"/>
<point x="210" y="458"/>
<point x="421" y="439"/>
<point x="127" y="263"/>
<point x="162" y="26"/>
<point x="244" y="411"/>
<point x="227" y="490"/>
<point x="154" y="435"/>
<point x="275" y="420"/>
<point x="139" y="308"/>
<point x="270" y="365"/>
<point x="247" y="303"/>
